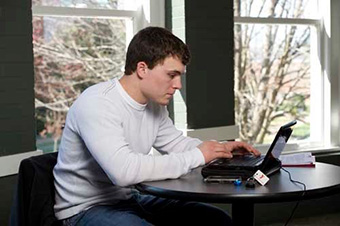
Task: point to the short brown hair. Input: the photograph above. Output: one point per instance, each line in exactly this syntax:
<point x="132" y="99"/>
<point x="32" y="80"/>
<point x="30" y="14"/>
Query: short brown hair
<point x="152" y="45"/>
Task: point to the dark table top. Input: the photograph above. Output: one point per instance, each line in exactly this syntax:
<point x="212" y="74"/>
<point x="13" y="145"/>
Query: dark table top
<point x="321" y="180"/>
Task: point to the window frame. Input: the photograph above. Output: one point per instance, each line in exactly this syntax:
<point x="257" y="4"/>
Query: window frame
<point x="324" y="88"/>
<point x="139" y="18"/>
<point x="155" y="16"/>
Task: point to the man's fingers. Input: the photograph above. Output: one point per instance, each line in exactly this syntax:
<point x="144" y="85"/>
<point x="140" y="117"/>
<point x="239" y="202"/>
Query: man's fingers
<point x="224" y="154"/>
<point x="241" y="148"/>
<point x="253" y="150"/>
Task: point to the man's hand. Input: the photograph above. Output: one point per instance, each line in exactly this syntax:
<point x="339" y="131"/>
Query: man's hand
<point x="212" y="149"/>
<point x="241" y="148"/>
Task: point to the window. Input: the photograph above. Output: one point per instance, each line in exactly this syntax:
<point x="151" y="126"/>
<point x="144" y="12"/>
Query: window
<point x="77" y="43"/>
<point x="278" y="71"/>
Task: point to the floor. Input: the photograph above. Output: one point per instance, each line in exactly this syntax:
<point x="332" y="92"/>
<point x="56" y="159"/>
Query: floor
<point x="325" y="220"/>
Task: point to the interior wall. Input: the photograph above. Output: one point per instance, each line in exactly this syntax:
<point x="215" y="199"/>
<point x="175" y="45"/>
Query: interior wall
<point x="17" y="130"/>
<point x="210" y="74"/>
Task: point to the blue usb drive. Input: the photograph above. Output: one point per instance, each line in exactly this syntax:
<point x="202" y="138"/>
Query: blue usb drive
<point x="237" y="182"/>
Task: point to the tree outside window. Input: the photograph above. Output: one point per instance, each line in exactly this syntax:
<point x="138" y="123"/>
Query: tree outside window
<point x="272" y="68"/>
<point x="71" y="54"/>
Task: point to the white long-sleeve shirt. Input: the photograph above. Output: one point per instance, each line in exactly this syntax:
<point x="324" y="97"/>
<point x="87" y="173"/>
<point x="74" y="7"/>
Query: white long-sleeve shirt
<point x="105" y="145"/>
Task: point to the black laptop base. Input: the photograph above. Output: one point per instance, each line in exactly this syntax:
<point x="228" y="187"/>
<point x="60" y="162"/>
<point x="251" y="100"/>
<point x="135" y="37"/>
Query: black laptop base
<point x="215" y="170"/>
<point x="246" y="166"/>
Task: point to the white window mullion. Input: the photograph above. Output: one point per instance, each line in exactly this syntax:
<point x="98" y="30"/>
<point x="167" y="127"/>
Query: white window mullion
<point x="82" y="12"/>
<point x="332" y="35"/>
<point x="282" y="21"/>
<point x="317" y="91"/>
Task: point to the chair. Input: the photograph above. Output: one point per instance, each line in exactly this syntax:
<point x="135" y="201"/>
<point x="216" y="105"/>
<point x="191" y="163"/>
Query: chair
<point x="34" y="196"/>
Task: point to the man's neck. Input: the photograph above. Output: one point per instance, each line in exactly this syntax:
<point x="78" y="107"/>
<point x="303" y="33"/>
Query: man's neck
<point x="131" y="85"/>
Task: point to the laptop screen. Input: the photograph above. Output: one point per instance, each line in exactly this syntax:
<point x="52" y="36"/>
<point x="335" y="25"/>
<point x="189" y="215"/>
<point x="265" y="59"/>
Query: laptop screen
<point x="279" y="142"/>
<point x="279" y="146"/>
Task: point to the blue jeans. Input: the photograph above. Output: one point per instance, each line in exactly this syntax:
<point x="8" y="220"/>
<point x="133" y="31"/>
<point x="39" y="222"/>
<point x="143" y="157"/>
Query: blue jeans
<point x="151" y="210"/>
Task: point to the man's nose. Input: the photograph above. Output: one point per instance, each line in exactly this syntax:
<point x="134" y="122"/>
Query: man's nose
<point x="177" y="83"/>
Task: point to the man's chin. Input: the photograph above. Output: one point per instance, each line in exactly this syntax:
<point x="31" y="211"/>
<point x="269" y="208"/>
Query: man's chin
<point x="164" y="102"/>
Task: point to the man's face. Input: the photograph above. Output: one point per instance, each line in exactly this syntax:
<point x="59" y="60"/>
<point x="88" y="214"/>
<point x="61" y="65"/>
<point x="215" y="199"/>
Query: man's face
<point x="161" y="82"/>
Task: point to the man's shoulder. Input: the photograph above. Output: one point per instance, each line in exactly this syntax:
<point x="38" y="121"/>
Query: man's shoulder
<point x="100" y="89"/>
<point x="96" y="98"/>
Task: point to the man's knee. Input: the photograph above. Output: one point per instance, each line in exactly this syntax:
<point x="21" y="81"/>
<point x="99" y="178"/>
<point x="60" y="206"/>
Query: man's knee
<point x="109" y="216"/>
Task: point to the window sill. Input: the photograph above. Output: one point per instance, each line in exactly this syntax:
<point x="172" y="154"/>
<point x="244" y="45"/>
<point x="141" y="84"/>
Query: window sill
<point x="9" y="164"/>
<point x="298" y="148"/>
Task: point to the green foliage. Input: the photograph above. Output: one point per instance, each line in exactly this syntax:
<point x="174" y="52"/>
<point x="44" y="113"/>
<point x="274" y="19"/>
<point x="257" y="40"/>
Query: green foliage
<point x="296" y="105"/>
<point x="301" y="131"/>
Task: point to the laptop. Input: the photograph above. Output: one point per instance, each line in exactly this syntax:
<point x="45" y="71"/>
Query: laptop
<point x="246" y="165"/>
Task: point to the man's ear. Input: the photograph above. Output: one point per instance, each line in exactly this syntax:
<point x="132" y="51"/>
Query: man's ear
<point x="141" y="69"/>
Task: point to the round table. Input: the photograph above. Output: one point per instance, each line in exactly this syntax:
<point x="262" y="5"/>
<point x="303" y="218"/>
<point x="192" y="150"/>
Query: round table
<point x="321" y="180"/>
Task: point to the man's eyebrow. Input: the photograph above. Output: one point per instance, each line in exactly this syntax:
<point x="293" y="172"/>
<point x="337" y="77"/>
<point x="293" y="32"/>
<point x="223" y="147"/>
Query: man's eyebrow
<point x="175" y="71"/>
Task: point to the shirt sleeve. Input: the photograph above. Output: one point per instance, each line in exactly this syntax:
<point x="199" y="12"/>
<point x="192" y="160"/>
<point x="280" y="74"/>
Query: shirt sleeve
<point x="170" y="139"/>
<point x="103" y="134"/>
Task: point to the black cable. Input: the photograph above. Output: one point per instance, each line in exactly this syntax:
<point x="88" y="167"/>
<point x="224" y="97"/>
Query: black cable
<point x="297" y="203"/>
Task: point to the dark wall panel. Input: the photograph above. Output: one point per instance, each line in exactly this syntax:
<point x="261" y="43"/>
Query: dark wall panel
<point x="210" y="75"/>
<point x="17" y="130"/>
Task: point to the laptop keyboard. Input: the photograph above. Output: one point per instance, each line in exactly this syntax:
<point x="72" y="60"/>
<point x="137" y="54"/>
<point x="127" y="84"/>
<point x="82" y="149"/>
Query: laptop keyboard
<point x="241" y="161"/>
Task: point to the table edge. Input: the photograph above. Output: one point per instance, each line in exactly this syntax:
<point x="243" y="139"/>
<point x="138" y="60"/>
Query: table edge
<point x="231" y="198"/>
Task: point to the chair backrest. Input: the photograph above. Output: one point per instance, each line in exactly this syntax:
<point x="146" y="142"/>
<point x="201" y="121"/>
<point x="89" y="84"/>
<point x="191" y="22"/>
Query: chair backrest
<point x="34" y="198"/>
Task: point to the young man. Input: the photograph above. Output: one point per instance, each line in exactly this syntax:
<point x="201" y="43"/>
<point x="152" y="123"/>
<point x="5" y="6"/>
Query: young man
<point x="109" y="132"/>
